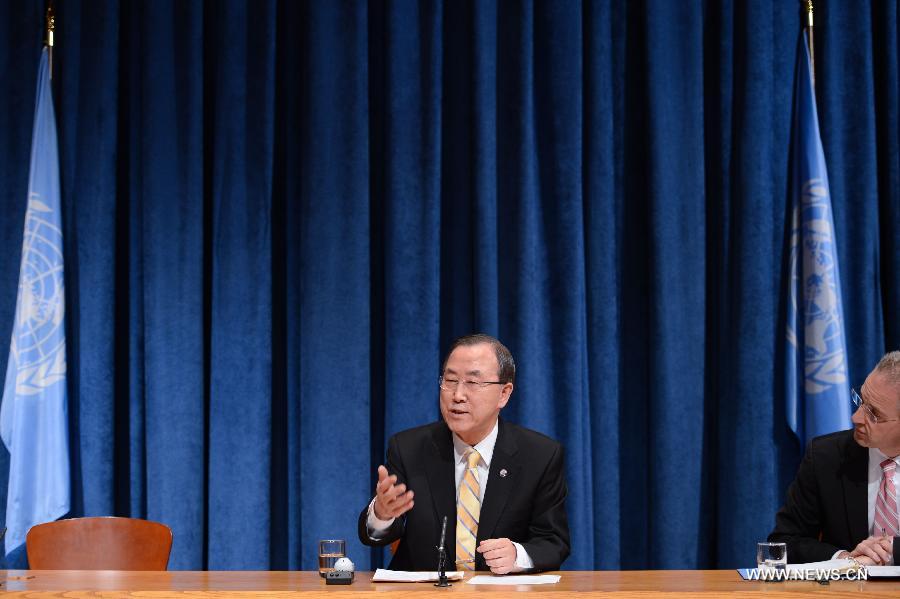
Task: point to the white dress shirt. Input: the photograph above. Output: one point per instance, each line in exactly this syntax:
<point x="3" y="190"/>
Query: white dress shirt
<point x="876" y="456"/>
<point x="376" y="528"/>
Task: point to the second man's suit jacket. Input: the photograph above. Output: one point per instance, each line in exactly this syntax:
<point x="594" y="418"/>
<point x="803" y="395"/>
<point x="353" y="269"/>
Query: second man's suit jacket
<point x="527" y="505"/>
<point x="827" y="504"/>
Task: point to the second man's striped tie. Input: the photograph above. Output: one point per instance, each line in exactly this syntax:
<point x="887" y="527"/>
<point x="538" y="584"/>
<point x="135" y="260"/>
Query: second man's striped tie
<point x="886" y="520"/>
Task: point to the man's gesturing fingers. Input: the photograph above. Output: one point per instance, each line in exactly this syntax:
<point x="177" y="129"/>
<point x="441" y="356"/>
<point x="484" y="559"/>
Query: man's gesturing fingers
<point x="391" y="500"/>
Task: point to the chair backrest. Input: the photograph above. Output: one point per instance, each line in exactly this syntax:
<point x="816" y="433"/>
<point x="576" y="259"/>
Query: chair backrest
<point x="99" y="544"/>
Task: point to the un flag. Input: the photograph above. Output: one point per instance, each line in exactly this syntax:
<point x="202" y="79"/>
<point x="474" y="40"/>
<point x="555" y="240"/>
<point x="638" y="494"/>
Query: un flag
<point x="817" y="393"/>
<point x="33" y="421"/>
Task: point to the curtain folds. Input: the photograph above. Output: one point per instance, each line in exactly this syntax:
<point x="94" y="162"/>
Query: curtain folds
<point x="278" y="214"/>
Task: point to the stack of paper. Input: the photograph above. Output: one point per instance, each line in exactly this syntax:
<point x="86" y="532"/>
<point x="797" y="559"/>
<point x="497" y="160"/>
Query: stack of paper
<point x="883" y="571"/>
<point x="382" y="575"/>
<point x="516" y="579"/>
<point x="841" y="565"/>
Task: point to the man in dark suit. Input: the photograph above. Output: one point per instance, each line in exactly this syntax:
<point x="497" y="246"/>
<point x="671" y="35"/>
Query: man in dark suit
<point x="843" y="502"/>
<point x="502" y="487"/>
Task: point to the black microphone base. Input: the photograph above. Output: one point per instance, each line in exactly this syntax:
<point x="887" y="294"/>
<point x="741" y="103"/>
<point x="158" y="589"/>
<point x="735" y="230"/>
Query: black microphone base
<point x="443" y="581"/>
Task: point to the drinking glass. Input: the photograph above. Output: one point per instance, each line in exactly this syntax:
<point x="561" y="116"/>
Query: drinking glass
<point x="330" y="551"/>
<point x="771" y="556"/>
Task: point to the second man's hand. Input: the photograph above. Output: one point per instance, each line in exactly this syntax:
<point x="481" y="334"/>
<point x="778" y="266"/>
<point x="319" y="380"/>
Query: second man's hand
<point x="874" y="551"/>
<point x="391" y="500"/>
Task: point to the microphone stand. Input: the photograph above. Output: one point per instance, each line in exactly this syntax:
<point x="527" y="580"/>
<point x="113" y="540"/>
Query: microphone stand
<point x="442" y="559"/>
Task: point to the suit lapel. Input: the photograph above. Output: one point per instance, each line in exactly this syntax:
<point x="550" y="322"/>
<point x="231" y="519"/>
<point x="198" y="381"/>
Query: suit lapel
<point x="855" y="478"/>
<point x="499" y="485"/>
<point x="441" y="480"/>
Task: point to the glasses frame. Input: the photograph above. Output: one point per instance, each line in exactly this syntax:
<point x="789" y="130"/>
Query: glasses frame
<point x="859" y="402"/>
<point x="473" y="385"/>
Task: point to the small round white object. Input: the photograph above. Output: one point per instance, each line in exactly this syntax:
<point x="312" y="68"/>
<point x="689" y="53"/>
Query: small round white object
<point x="343" y="565"/>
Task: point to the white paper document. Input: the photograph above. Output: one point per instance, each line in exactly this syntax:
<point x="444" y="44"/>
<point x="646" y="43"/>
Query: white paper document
<point x="382" y="575"/>
<point x="841" y="565"/>
<point x="883" y="571"/>
<point x="513" y="579"/>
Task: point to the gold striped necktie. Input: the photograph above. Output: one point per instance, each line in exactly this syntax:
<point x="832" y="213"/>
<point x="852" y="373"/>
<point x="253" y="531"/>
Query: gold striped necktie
<point x="468" y="508"/>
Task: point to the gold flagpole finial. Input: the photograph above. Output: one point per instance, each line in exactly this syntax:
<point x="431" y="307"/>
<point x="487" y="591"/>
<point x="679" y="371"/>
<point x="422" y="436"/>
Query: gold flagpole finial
<point x="809" y="30"/>
<point x="51" y="27"/>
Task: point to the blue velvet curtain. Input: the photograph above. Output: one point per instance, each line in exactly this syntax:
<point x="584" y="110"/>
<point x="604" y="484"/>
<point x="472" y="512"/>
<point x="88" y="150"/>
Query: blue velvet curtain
<point x="278" y="214"/>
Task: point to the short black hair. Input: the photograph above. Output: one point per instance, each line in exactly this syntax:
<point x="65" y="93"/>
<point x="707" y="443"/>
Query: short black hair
<point x="507" y="366"/>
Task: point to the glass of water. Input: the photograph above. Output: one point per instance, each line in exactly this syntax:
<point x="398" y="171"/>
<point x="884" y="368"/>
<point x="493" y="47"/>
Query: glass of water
<point x="330" y="551"/>
<point x="771" y="557"/>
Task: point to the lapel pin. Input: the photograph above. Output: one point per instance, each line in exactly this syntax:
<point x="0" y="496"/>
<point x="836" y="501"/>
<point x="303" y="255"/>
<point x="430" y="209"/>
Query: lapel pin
<point x="503" y="473"/>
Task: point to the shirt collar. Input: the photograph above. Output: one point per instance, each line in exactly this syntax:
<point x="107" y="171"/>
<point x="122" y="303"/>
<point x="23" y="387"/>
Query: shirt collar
<point x="485" y="447"/>
<point x="876" y="456"/>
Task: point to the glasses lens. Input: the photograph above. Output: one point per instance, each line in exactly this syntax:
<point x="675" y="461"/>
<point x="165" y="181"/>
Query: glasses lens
<point x="869" y="413"/>
<point x="856" y="398"/>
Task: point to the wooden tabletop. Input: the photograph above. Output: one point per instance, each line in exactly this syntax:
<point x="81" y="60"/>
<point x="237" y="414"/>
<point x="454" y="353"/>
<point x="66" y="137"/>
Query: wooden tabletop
<point x="308" y="585"/>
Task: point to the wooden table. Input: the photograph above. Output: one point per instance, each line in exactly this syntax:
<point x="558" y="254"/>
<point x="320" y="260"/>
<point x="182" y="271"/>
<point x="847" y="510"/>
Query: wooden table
<point x="308" y="585"/>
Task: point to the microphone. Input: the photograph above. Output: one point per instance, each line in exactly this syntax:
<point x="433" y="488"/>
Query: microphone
<point x="443" y="534"/>
<point x="442" y="558"/>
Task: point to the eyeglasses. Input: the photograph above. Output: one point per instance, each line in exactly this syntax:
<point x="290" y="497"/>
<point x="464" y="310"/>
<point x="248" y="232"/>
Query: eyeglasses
<point x="870" y="415"/>
<point x="475" y="386"/>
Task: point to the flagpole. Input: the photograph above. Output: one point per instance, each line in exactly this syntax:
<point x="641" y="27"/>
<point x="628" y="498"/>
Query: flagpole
<point x="51" y="26"/>
<point x="809" y="28"/>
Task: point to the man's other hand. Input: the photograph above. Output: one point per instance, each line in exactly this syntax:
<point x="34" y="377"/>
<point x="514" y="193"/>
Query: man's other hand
<point x="391" y="500"/>
<point x="499" y="555"/>
<point x="874" y="551"/>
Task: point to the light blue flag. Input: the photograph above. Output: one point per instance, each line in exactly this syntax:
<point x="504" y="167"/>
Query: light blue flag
<point x="817" y="394"/>
<point x="33" y="421"/>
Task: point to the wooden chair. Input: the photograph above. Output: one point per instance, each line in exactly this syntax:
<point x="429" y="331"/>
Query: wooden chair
<point x="99" y="544"/>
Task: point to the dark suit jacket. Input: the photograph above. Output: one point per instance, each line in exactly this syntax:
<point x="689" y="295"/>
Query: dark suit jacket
<point x="827" y="504"/>
<point x="527" y="505"/>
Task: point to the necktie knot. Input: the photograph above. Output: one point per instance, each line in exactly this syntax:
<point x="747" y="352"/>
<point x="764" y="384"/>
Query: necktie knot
<point x="888" y="466"/>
